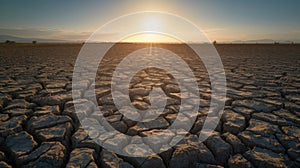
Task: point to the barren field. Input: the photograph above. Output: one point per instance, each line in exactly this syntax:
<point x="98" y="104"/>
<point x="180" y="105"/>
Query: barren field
<point x="260" y="126"/>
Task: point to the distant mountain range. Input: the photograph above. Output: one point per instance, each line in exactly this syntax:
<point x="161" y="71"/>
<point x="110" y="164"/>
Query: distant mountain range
<point x="260" y="41"/>
<point x="3" y="38"/>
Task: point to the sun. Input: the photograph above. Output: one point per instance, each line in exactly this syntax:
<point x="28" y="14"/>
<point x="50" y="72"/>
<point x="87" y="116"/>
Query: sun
<point x="150" y="37"/>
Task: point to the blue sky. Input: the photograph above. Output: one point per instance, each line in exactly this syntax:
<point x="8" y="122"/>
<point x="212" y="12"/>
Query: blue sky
<point x="228" y="20"/>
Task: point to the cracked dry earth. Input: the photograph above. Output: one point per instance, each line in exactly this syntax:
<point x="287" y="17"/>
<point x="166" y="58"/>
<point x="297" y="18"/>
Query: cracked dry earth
<point x="260" y="126"/>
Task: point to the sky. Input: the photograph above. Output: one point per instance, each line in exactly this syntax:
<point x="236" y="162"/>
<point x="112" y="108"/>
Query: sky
<point x="223" y="21"/>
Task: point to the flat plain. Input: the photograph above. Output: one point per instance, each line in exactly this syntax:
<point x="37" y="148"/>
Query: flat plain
<point x="260" y="125"/>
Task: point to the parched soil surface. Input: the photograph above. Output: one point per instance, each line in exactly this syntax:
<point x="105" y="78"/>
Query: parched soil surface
<point x="260" y="126"/>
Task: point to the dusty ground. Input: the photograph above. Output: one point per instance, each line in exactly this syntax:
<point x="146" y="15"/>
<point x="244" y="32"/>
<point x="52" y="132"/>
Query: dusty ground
<point x="260" y="126"/>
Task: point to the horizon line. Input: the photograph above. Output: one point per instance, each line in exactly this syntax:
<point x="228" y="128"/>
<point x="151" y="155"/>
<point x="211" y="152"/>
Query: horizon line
<point x="124" y="42"/>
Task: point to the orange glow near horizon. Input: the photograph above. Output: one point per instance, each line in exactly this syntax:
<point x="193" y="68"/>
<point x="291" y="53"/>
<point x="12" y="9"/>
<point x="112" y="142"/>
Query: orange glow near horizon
<point x="150" y="38"/>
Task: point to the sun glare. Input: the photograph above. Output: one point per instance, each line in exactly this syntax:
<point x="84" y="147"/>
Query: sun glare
<point x="150" y="38"/>
<point x="155" y="27"/>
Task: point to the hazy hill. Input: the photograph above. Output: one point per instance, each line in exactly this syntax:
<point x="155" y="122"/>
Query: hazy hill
<point x="3" y="38"/>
